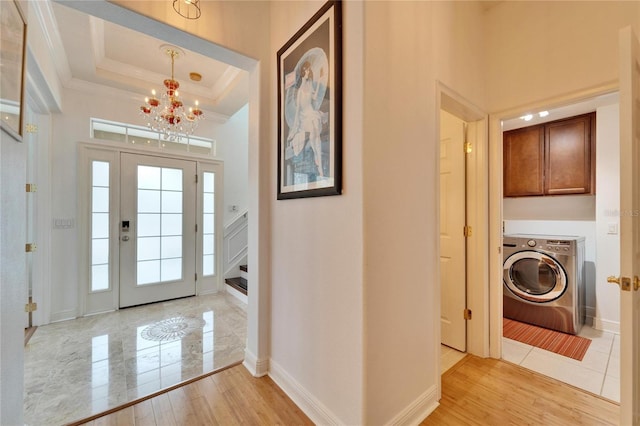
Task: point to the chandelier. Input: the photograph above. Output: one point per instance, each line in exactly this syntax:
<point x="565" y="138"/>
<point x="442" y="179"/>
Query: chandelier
<point x="168" y="115"/>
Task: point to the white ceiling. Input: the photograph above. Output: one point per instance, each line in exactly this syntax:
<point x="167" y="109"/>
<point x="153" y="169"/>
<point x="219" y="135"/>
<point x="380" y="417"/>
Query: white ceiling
<point x="560" y="112"/>
<point x="99" y="52"/>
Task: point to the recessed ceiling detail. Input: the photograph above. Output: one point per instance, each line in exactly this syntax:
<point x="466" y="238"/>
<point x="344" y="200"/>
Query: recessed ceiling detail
<point x="120" y="58"/>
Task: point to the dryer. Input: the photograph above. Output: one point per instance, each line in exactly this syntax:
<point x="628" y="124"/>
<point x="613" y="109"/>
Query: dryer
<point x="543" y="281"/>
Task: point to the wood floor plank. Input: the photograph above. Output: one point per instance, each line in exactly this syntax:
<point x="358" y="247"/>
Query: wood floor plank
<point x="143" y="414"/>
<point x="163" y="411"/>
<point x="479" y="391"/>
<point x="475" y="392"/>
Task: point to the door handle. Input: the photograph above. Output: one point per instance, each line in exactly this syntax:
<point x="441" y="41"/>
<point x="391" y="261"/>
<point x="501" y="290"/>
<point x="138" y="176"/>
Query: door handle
<point x="125" y="238"/>
<point x="625" y="282"/>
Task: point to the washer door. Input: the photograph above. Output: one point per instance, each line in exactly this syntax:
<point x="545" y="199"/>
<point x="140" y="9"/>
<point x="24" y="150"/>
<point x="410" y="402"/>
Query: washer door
<point x="534" y="276"/>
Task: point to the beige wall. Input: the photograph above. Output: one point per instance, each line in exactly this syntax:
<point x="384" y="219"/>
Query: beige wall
<point x="317" y="286"/>
<point x="538" y="50"/>
<point x="408" y="47"/>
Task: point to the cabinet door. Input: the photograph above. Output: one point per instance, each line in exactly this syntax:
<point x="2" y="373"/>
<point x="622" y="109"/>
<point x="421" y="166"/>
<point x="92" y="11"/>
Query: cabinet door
<point x="523" y="161"/>
<point x="568" y="151"/>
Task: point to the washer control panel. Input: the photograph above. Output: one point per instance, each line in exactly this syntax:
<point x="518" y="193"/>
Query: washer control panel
<point x="560" y="246"/>
<point x="556" y="246"/>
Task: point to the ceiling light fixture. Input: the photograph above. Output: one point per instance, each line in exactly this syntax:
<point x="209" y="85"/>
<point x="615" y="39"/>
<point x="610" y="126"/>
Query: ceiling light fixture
<point x="189" y="9"/>
<point x="167" y="115"/>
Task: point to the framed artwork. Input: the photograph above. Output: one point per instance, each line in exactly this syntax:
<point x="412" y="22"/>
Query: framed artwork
<point x="13" y="41"/>
<point x="310" y="108"/>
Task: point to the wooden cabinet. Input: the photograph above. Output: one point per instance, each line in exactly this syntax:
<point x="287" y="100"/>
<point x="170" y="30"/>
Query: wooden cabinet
<point x="554" y="158"/>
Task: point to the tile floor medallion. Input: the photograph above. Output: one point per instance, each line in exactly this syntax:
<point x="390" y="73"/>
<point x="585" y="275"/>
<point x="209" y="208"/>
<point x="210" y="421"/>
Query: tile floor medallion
<point x="77" y="368"/>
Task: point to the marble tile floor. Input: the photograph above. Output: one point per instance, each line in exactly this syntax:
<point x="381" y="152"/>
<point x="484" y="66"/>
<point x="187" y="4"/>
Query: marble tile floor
<point x="598" y="372"/>
<point x="77" y="368"/>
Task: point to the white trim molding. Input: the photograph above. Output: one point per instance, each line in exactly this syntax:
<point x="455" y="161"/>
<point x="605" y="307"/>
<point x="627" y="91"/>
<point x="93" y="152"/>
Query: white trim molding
<point x="309" y="404"/>
<point x="418" y="410"/>
<point x="257" y="367"/>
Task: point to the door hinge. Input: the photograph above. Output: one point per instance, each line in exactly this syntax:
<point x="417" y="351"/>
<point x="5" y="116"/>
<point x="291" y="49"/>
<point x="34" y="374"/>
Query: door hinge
<point x="196" y="227"/>
<point x="196" y="276"/>
<point x="467" y="314"/>
<point x="467" y="231"/>
<point x="468" y="148"/>
<point x="31" y="187"/>
<point x="30" y="307"/>
<point x="196" y="178"/>
<point x="30" y="247"/>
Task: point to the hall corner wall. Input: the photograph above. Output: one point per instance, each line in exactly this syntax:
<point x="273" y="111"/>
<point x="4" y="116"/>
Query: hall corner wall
<point x="317" y="287"/>
<point x="410" y="47"/>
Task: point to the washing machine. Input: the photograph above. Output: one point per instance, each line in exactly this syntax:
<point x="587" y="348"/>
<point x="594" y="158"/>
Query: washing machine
<point x="543" y="281"/>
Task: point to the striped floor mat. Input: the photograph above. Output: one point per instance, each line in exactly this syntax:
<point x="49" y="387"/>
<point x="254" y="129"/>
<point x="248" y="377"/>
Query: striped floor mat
<point x="563" y="344"/>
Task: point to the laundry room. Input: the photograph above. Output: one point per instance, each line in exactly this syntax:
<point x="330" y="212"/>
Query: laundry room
<point x="561" y="195"/>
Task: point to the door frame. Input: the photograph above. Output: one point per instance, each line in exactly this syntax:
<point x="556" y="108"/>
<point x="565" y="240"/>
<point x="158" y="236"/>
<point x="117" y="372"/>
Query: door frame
<point x="110" y="151"/>
<point x="495" y="187"/>
<point x="477" y="259"/>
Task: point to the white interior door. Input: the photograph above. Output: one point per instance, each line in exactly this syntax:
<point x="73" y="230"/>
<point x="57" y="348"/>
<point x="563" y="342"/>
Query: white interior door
<point x="157" y="229"/>
<point x="452" y="239"/>
<point x="629" y="227"/>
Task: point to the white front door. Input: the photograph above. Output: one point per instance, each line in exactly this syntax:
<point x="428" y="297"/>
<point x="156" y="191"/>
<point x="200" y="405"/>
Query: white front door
<point x="452" y="239"/>
<point x="157" y="229"/>
<point x="629" y="227"/>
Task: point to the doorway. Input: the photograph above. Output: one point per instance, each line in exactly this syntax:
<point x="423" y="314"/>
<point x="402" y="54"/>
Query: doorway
<point x="157" y="229"/>
<point x="151" y="226"/>
<point x="588" y="216"/>
<point x="463" y="217"/>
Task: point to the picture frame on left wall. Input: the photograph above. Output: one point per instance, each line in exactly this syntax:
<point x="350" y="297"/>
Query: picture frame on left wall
<point x="310" y="108"/>
<point x="13" y="43"/>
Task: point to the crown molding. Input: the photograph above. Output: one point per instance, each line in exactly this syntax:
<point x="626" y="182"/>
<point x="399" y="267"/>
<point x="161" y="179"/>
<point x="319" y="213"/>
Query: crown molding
<point x="46" y="19"/>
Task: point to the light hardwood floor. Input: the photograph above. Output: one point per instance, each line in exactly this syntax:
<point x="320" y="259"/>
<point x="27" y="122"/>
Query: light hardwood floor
<point x="228" y="397"/>
<point x="475" y="391"/>
<point x="479" y="391"/>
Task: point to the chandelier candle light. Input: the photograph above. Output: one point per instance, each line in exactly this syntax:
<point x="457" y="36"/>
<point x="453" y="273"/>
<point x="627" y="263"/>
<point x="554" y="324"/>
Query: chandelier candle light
<point x="167" y="115"/>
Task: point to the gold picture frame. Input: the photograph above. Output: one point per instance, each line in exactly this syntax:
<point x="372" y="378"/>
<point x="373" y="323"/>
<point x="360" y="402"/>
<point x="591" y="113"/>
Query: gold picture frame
<point x="13" y="42"/>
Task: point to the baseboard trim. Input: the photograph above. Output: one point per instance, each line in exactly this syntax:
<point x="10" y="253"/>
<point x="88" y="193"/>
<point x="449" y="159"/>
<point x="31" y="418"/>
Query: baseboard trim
<point x="309" y="404"/>
<point x="257" y="367"/>
<point x="418" y="410"/>
<point x="63" y="316"/>
<point x="606" y="325"/>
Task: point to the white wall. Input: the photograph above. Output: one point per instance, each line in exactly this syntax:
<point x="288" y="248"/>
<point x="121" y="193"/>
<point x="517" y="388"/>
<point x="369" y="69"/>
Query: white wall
<point x="543" y="49"/>
<point x="607" y="315"/>
<point x="317" y="243"/>
<point x="13" y="277"/>
<point x="409" y="46"/>
<point x="232" y="146"/>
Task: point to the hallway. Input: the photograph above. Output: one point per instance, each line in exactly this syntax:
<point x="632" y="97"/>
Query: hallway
<point x="77" y="368"/>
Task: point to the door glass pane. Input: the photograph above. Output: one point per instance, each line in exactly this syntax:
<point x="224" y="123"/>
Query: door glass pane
<point x="100" y="199"/>
<point x="159" y="230"/>
<point x="148" y="248"/>
<point x="148" y="272"/>
<point x="99" y="251"/>
<point x="208" y="224"/>
<point x="172" y="179"/>
<point x="148" y="225"/>
<point x="171" y="224"/>
<point x="148" y="201"/>
<point x="171" y="269"/>
<point x="533" y="276"/>
<point x="99" y="225"/>
<point x="149" y="177"/>
<point x="171" y="247"/>
<point x="171" y="202"/>
<point x="208" y="265"/>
